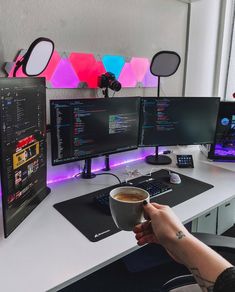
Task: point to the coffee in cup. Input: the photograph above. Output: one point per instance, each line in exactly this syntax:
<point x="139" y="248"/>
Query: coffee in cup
<point x="126" y="205"/>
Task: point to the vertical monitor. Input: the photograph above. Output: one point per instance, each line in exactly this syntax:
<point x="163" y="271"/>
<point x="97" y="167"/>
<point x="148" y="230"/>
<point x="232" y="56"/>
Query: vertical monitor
<point x="167" y="121"/>
<point x="23" y="148"/>
<point x="91" y="127"/>
<point x="223" y="147"/>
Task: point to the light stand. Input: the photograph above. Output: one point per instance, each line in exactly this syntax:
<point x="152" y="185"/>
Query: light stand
<point x="164" y="64"/>
<point x="106" y="157"/>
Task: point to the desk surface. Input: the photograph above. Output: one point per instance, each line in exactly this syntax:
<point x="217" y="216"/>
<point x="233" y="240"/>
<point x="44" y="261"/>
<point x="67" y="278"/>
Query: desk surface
<point x="47" y="253"/>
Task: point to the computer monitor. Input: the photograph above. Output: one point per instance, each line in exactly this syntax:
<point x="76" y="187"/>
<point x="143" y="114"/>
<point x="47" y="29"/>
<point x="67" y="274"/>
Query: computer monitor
<point x="23" y="148"/>
<point x="87" y="128"/>
<point x="167" y="121"/>
<point x="223" y="147"/>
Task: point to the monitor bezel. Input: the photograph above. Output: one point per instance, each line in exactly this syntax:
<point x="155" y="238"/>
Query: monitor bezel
<point x="169" y="97"/>
<point x="211" y="153"/>
<point x="53" y="163"/>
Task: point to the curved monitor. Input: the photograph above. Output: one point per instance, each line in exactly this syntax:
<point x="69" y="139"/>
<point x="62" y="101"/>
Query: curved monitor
<point x="92" y="127"/>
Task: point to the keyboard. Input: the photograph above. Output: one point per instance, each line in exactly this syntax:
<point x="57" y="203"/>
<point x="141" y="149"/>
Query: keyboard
<point x="154" y="187"/>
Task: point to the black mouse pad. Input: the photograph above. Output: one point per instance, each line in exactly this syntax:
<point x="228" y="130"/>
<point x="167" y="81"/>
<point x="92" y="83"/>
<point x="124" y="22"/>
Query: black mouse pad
<point x="84" y="214"/>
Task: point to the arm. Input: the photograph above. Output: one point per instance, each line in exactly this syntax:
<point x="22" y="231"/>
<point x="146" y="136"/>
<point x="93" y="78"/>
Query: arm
<point x="163" y="227"/>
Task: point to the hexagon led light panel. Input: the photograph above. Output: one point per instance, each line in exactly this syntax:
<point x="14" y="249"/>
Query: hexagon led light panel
<point x="77" y="69"/>
<point x="150" y="80"/>
<point x="87" y="68"/>
<point x="64" y="75"/>
<point x="113" y="64"/>
<point x="139" y="67"/>
<point x="127" y="77"/>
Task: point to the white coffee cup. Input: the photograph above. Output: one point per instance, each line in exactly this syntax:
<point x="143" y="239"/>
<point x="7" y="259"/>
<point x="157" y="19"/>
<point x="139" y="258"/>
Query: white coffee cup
<point x="126" y="205"/>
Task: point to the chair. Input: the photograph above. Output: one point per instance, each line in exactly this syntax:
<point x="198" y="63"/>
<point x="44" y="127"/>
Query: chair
<point x="224" y="245"/>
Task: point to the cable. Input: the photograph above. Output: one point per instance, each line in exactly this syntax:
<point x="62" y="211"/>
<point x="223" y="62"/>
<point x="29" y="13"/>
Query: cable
<point x="108" y="173"/>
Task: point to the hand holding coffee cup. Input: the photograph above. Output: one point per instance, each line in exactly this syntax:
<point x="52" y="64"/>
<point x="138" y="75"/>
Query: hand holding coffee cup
<point x="126" y="205"/>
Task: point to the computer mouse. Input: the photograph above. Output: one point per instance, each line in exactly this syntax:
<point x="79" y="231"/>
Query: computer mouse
<point x="175" y="178"/>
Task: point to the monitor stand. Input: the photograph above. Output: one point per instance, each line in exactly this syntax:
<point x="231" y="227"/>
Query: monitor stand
<point x="107" y="165"/>
<point x="87" y="170"/>
<point x="158" y="159"/>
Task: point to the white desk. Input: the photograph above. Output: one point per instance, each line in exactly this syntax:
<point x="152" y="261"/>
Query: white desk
<point x="47" y="253"/>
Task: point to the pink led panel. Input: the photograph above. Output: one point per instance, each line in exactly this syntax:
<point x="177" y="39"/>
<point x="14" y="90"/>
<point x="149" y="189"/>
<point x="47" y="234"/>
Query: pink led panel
<point x="87" y="68"/>
<point x="139" y="67"/>
<point x="19" y="72"/>
<point x="127" y="76"/>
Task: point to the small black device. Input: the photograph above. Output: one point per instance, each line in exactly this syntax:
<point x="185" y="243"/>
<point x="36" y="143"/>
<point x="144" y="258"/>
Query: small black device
<point x="185" y="161"/>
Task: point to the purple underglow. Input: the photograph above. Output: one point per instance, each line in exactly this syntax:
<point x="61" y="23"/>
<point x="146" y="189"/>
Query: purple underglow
<point x="97" y="166"/>
<point x="224" y="151"/>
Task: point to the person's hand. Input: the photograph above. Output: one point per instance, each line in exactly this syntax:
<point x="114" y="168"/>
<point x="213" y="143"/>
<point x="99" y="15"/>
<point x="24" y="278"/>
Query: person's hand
<point x="162" y="227"/>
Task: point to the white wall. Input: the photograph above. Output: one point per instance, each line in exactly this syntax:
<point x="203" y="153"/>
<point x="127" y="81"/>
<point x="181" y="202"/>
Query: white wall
<point x="204" y="26"/>
<point x="127" y="27"/>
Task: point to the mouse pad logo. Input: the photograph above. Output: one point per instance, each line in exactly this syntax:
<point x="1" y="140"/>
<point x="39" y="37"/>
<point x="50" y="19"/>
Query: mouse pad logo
<point x="101" y="233"/>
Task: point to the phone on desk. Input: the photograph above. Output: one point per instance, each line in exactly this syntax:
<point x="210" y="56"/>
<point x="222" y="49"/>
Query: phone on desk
<point x="185" y="161"/>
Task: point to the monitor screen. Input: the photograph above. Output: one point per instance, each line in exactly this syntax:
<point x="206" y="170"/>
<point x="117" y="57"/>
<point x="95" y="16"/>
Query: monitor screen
<point x="178" y="120"/>
<point x="23" y="148"/>
<point x="223" y="147"/>
<point x="91" y="127"/>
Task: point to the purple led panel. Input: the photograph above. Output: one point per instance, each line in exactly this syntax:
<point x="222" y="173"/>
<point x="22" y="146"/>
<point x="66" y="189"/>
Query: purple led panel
<point x="64" y="75"/>
<point x="150" y="80"/>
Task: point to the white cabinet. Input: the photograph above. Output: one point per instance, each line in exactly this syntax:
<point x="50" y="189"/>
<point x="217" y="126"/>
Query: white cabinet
<point x="226" y="216"/>
<point x="206" y="223"/>
<point x="216" y="221"/>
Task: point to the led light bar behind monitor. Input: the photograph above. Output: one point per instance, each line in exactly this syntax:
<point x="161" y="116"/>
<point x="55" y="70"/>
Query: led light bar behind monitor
<point x="167" y="121"/>
<point x="223" y="147"/>
<point x="92" y="127"/>
<point x="23" y="148"/>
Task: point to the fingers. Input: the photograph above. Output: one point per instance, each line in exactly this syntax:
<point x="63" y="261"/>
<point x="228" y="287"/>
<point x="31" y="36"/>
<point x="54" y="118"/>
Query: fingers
<point x="149" y="238"/>
<point x="150" y="209"/>
<point x="141" y="227"/>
